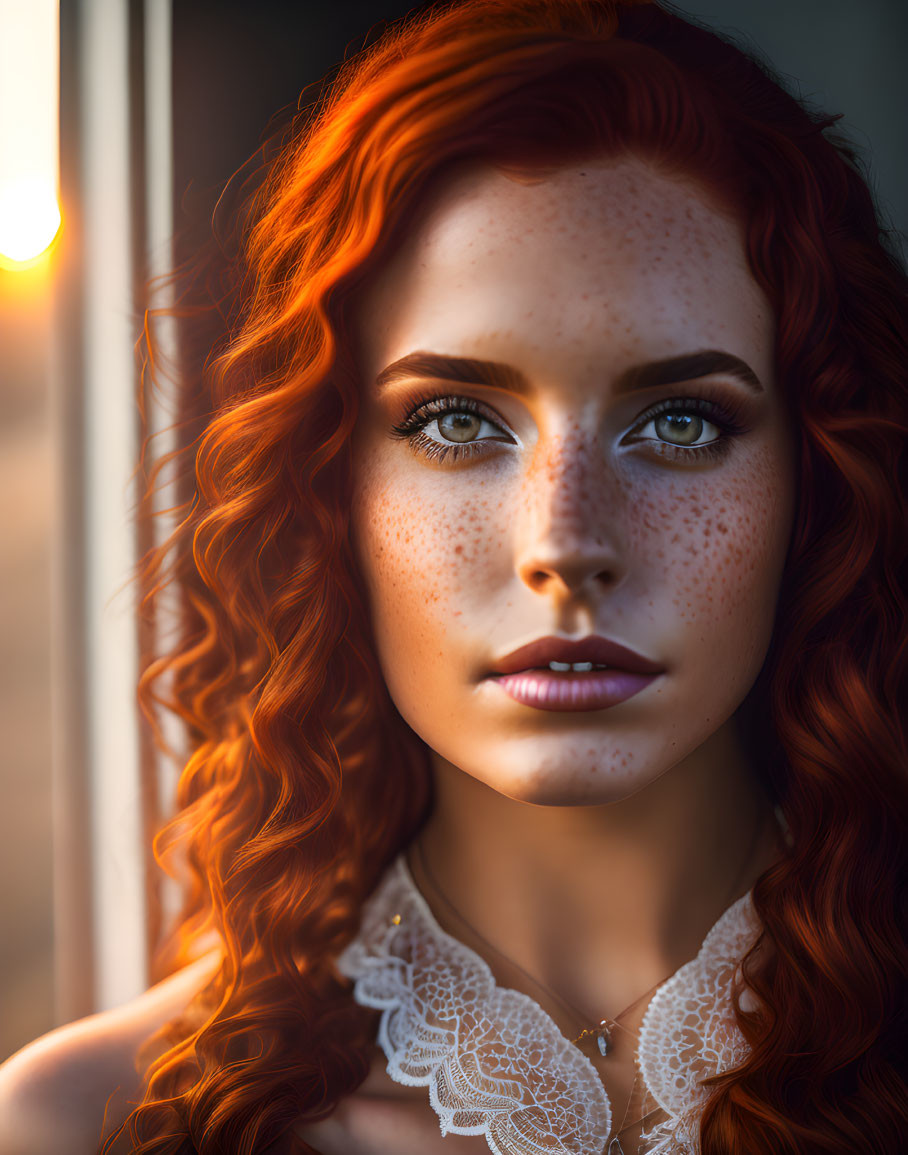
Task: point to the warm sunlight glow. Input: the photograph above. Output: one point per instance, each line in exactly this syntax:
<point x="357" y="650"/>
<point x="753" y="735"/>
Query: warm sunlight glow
<point x="29" y="118"/>
<point x="29" y="219"/>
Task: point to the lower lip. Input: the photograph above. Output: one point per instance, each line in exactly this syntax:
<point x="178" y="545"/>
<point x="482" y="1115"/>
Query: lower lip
<point x="547" y="690"/>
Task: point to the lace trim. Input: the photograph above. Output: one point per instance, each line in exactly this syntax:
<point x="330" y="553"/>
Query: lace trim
<point x="496" y="1064"/>
<point x="689" y="1031"/>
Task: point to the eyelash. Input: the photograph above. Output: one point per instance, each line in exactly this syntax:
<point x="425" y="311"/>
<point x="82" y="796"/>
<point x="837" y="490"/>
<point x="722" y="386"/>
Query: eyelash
<point x="727" y="417"/>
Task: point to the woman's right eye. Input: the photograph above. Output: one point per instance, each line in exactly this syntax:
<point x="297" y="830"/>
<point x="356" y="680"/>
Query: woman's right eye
<point x="449" y="427"/>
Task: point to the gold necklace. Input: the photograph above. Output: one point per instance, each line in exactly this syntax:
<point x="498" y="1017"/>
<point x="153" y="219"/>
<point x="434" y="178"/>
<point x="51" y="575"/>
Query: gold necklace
<point x="602" y="1032"/>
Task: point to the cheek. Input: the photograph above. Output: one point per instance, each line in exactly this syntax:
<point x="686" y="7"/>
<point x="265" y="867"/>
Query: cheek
<point x="721" y="546"/>
<point x="425" y="547"/>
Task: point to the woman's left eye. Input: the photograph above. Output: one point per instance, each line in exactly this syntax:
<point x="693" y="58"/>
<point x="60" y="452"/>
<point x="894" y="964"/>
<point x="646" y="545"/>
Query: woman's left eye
<point x="688" y="428"/>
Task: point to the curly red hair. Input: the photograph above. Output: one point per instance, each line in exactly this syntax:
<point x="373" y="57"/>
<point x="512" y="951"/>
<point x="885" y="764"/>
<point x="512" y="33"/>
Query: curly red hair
<point x="304" y="782"/>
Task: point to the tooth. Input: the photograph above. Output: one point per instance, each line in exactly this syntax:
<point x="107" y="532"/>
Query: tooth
<point x="582" y="666"/>
<point x="560" y="666"/>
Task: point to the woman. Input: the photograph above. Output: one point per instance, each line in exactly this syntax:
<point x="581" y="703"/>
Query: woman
<point x="546" y="574"/>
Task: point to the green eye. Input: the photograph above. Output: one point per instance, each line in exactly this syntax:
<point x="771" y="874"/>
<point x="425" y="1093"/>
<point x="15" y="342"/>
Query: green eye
<point x="680" y="424"/>
<point x="459" y="421"/>
<point x="459" y="427"/>
<point x="679" y="428"/>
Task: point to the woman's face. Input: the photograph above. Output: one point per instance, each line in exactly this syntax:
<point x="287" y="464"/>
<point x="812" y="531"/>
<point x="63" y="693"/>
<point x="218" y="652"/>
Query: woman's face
<point x="619" y="465"/>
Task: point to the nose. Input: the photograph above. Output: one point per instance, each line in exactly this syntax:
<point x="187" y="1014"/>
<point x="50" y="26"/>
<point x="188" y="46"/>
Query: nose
<point x="567" y="526"/>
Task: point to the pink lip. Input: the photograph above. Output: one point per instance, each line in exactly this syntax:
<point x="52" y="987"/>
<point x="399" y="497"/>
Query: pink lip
<point x="596" y="690"/>
<point x="525" y="677"/>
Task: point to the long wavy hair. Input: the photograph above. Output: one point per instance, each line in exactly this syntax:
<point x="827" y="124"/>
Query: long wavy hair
<point x="304" y="782"/>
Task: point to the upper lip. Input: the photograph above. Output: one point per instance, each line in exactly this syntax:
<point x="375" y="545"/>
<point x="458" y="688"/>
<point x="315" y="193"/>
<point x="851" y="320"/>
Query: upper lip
<point x="601" y="651"/>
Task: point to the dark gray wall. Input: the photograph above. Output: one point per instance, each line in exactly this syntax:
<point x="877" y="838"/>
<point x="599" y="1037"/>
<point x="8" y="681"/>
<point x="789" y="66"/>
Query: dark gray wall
<point x="844" y="56"/>
<point x="239" y="67"/>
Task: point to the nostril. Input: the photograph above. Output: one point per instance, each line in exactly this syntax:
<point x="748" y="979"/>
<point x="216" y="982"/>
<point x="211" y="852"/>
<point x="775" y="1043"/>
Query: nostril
<point x="570" y="578"/>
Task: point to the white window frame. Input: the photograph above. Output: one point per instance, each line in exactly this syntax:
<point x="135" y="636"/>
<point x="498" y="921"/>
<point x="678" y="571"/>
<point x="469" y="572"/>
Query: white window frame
<point x="117" y="180"/>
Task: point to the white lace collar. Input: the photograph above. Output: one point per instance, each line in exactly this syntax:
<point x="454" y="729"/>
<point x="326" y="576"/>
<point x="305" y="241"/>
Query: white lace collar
<point x="496" y="1064"/>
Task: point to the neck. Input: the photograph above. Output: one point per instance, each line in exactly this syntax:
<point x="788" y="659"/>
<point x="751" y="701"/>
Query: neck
<point x="597" y="903"/>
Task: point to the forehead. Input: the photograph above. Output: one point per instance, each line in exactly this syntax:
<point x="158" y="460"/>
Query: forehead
<point x="604" y="249"/>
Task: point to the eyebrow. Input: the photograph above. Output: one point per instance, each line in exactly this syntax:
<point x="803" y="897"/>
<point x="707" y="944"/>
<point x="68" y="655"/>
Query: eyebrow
<point x="469" y="371"/>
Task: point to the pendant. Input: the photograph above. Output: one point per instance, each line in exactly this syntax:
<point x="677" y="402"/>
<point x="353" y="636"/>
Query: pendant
<point x="602" y="1036"/>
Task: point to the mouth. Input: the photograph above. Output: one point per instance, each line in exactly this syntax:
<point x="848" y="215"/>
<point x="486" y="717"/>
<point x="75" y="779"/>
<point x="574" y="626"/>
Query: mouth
<point x="590" y="673"/>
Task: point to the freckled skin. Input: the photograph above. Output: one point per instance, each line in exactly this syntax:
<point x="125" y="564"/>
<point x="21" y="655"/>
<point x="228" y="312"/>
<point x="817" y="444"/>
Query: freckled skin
<point x="592" y="849"/>
<point x="565" y="527"/>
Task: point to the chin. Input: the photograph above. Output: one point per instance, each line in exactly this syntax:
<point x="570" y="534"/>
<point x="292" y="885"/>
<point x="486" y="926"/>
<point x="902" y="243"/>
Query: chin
<point x="565" y="781"/>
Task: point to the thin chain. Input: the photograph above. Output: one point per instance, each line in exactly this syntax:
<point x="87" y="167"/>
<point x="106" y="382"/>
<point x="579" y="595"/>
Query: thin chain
<point x="624" y="1124"/>
<point x="568" y="1006"/>
<point x="552" y="994"/>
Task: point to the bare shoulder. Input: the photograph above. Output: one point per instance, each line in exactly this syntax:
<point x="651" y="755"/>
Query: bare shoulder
<point x="54" y="1092"/>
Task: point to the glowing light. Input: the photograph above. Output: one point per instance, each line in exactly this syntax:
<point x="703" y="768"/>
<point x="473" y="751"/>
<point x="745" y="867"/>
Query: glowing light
<point x="29" y="220"/>
<point x="29" y="131"/>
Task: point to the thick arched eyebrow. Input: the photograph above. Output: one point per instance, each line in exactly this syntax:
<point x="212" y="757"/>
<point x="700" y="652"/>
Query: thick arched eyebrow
<point x="469" y="371"/>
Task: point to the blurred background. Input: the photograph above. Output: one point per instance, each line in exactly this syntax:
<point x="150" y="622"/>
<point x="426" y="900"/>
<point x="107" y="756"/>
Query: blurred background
<point x="160" y="101"/>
